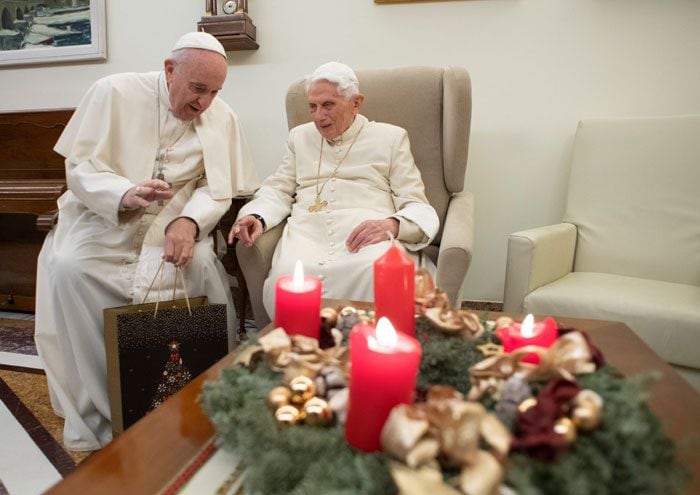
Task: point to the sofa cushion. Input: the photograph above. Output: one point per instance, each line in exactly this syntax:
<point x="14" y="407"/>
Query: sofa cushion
<point x="664" y="314"/>
<point x="633" y="195"/>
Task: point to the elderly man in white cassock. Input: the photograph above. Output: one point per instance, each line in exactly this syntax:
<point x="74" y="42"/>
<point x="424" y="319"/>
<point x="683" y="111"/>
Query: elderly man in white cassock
<point x="152" y="161"/>
<point x="347" y="184"/>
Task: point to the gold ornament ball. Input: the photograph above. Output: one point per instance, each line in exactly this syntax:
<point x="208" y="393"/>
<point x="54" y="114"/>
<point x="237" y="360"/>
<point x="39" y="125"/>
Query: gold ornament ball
<point x="287" y="415"/>
<point x="587" y="411"/>
<point x="303" y="388"/>
<point x="588" y="396"/>
<point x="278" y="397"/>
<point x="317" y="412"/>
<point x="567" y="428"/>
<point x="586" y="416"/>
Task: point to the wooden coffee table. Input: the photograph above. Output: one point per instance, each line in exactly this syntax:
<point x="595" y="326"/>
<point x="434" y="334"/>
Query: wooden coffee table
<point x="155" y="450"/>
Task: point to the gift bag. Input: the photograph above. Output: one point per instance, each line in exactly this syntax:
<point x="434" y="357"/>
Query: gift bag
<point x="154" y="349"/>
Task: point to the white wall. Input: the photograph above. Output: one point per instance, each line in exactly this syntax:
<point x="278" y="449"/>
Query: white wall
<point x="537" y="67"/>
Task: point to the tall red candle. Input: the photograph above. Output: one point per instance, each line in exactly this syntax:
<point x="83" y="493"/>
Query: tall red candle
<point x="383" y="371"/>
<point x="517" y="335"/>
<point x="298" y="303"/>
<point x="394" y="289"/>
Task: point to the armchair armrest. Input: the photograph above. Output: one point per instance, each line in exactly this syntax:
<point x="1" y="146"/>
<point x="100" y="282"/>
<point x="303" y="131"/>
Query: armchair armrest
<point x="456" y="245"/>
<point x="255" y="262"/>
<point x="537" y="257"/>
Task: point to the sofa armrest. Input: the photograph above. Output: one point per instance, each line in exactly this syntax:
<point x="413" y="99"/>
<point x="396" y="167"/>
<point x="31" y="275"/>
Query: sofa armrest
<point x="456" y="245"/>
<point x="255" y="263"/>
<point x="537" y="257"/>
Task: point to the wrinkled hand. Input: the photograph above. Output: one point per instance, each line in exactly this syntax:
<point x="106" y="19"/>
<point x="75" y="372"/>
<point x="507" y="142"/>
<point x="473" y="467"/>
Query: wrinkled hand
<point x="248" y="229"/>
<point x="371" y="232"/>
<point x="145" y="193"/>
<point x="179" y="242"/>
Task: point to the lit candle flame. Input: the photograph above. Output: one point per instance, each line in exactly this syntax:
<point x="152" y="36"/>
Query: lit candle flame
<point x="298" y="281"/>
<point x="386" y="335"/>
<point x="527" y="329"/>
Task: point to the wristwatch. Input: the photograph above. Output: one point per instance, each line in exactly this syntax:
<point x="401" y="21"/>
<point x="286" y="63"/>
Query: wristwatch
<point x="260" y="219"/>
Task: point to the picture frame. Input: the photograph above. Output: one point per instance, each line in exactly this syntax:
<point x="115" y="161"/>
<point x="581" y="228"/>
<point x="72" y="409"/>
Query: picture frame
<point x="406" y="1"/>
<point x="70" y="30"/>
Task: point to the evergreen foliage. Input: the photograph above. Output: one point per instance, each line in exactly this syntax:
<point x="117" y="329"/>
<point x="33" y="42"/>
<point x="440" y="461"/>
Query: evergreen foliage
<point x="627" y="454"/>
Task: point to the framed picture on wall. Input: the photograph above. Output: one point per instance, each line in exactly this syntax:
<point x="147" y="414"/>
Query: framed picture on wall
<point x="405" y="1"/>
<point x="51" y="31"/>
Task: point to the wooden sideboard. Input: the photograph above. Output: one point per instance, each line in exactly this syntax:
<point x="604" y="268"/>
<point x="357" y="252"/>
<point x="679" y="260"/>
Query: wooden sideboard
<point x="32" y="177"/>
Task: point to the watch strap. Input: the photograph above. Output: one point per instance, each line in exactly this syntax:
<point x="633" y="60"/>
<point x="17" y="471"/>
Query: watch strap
<point x="260" y="219"/>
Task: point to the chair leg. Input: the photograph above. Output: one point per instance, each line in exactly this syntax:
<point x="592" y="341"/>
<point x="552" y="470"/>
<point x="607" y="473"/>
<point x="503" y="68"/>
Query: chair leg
<point x="242" y="302"/>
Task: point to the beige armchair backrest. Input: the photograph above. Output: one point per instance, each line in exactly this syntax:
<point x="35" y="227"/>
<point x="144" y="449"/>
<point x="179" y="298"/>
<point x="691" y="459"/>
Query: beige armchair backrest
<point x="634" y="196"/>
<point x="433" y="104"/>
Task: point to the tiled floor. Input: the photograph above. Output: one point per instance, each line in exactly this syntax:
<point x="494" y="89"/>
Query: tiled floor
<point x="31" y="457"/>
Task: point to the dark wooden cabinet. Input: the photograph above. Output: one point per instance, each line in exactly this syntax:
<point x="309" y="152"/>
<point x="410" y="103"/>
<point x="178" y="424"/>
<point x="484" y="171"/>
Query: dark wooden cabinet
<point x="32" y="177"/>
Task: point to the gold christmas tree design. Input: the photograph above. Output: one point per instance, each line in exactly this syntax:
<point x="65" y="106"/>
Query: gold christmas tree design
<point x="175" y="376"/>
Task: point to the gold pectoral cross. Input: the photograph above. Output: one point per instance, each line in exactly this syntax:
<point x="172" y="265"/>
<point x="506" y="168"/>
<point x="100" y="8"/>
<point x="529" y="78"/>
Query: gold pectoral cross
<point x="318" y="205"/>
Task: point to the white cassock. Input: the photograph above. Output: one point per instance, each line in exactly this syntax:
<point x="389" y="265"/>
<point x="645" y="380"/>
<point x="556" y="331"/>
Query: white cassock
<point x="98" y="257"/>
<point x="372" y="179"/>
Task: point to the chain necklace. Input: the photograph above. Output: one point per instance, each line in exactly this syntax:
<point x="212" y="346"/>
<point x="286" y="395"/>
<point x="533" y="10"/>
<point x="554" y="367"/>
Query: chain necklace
<point x="162" y="153"/>
<point x="320" y="204"/>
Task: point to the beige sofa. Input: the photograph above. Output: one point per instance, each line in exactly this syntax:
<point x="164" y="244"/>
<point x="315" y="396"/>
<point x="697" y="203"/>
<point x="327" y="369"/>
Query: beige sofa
<point x="628" y="248"/>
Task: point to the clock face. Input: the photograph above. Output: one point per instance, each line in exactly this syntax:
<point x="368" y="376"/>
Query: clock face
<point x="229" y="7"/>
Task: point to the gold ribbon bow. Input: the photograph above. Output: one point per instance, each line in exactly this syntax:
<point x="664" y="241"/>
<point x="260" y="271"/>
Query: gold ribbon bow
<point x="451" y="429"/>
<point x="568" y="356"/>
<point x="435" y="305"/>
<point x="295" y="355"/>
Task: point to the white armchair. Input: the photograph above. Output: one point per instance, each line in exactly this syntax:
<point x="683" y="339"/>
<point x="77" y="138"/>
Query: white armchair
<point x="629" y="245"/>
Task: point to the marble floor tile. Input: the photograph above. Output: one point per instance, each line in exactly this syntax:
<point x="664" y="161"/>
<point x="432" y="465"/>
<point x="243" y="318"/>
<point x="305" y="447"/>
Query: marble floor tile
<point x="23" y="466"/>
<point x="13" y="360"/>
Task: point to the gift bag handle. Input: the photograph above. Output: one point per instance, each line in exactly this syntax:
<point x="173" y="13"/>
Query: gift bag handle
<point x="178" y="275"/>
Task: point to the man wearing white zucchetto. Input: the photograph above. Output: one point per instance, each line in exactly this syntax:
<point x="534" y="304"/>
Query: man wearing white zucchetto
<point x="345" y="185"/>
<point x="152" y="162"/>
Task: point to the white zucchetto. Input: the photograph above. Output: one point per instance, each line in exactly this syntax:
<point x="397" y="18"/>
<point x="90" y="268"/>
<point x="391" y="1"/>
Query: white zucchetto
<point x="334" y="72"/>
<point x="339" y="74"/>
<point x="201" y="41"/>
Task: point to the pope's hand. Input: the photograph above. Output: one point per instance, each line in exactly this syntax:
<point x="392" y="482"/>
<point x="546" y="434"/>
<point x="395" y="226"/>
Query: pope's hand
<point x="248" y="229"/>
<point x="371" y="232"/>
<point x="178" y="248"/>
<point x="145" y="193"/>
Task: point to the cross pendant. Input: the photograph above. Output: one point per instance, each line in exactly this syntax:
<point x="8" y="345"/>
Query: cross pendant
<point x="318" y="205"/>
<point x="160" y="176"/>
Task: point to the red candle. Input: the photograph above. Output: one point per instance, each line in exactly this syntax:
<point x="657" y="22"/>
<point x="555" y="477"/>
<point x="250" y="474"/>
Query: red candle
<point x="516" y="335"/>
<point x="298" y="303"/>
<point x="394" y="289"/>
<point x="383" y="371"/>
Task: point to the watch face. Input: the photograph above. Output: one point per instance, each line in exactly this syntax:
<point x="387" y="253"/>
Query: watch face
<point x="229" y="7"/>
